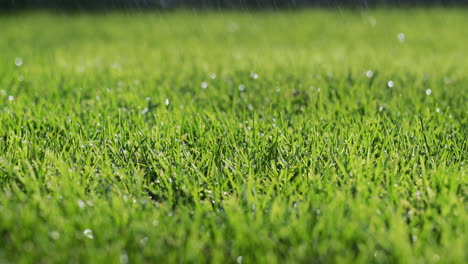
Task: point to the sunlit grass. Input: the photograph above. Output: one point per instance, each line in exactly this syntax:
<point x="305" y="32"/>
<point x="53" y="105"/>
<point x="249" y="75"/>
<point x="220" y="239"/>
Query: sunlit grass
<point x="312" y="136"/>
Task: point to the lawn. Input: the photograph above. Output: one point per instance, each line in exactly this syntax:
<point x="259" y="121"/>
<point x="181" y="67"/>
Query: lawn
<point x="316" y="136"/>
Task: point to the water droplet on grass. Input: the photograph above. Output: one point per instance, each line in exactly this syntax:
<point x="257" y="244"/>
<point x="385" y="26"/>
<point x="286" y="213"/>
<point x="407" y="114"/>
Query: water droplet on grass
<point x="18" y="61"/>
<point x="88" y="233"/>
<point x="428" y="92"/>
<point x="204" y="85"/>
<point x="124" y="258"/>
<point x="390" y="84"/>
<point x="438" y="110"/>
<point x="81" y="204"/>
<point x="369" y="74"/>
<point x="54" y="235"/>
<point x="241" y="87"/>
<point x="11" y="98"/>
<point x="144" y="241"/>
<point x="239" y="259"/>
<point x="167" y="101"/>
<point x="401" y="37"/>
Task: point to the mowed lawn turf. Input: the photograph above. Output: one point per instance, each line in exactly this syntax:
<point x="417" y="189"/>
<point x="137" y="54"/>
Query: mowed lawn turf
<point x="314" y="136"/>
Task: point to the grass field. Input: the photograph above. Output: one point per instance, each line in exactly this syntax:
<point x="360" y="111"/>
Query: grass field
<point x="318" y="136"/>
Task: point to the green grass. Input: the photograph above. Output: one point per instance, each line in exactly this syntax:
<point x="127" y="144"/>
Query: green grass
<point x="105" y="126"/>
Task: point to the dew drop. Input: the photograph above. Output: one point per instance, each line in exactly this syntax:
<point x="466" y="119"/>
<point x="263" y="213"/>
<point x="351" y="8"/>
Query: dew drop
<point x="54" y="235"/>
<point x="401" y="37"/>
<point x="124" y="258"/>
<point x="18" y="61"/>
<point x="88" y="233"/>
<point x="81" y="204"/>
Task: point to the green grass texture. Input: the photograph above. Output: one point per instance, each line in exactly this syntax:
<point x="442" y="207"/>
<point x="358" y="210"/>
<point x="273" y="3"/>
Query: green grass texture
<point x="313" y="136"/>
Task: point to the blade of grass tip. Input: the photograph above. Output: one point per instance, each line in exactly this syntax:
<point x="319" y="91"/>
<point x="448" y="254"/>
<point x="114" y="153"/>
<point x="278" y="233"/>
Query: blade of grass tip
<point x="424" y="135"/>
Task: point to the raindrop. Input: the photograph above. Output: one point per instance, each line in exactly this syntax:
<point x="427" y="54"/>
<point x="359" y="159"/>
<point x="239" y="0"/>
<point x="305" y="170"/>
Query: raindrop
<point x="18" y="61"/>
<point x="144" y="240"/>
<point x="428" y="92"/>
<point x="124" y="258"/>
<point x="401" y="37"/>
<point x="204" y="85"/>
<point x="390" y="84"/>
<point x="81" y="204"/>
<point x="88" y="233"/>
<point x="54" y="235"/>
<point x="369" y="74"/>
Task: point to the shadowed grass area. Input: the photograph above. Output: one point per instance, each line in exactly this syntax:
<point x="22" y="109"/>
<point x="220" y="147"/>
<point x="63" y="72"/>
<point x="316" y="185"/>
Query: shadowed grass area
<point x="282" y="137"/>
